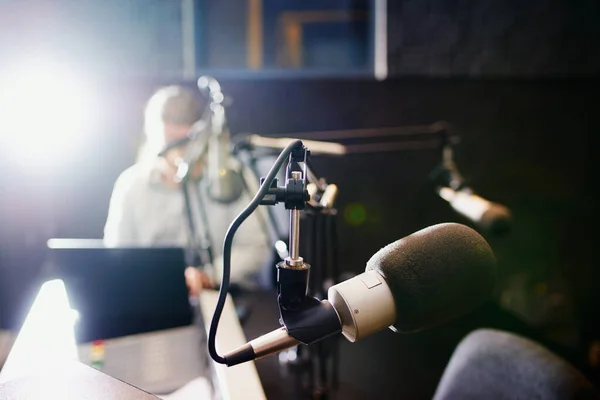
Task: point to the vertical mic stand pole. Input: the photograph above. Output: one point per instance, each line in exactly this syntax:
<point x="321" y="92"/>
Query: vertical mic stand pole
<point x="199" y="251"/>
<point x="323" y="356"/>
<point x="304" y="317"/>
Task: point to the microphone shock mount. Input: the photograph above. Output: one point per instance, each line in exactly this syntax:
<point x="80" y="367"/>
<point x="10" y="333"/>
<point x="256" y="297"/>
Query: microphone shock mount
<point x="305" y="318"/>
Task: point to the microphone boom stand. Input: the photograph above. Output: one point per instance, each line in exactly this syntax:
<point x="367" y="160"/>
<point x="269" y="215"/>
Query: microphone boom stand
<point x="295" y="301"/>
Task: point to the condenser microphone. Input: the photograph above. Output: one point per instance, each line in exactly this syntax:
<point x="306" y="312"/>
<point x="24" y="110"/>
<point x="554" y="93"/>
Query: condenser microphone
<point x="422" y="280"/>
<point x="489" y="216"/>
<point x="225" y="181"/>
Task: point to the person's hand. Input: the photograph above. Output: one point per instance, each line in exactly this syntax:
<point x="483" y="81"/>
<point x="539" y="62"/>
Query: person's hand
<point x="197" y="280"/>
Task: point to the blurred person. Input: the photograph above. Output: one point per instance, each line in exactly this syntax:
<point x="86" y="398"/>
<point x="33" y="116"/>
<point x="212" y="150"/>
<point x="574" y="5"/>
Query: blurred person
<point x="147" y="207"/>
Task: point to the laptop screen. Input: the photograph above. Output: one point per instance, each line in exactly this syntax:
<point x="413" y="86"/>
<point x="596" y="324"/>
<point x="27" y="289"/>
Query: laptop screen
<point x="122" y="291"/>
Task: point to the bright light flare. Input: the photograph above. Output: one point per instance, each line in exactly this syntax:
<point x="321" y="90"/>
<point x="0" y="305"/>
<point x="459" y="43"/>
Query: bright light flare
<point x="44" y="112"/>
<point x="47" y="339"/>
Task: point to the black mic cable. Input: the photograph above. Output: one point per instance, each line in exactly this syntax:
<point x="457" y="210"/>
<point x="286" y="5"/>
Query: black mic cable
<point x="227" y="244"/>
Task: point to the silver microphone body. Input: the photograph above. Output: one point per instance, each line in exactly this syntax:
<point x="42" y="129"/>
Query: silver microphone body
<point x="225" y="185"/>
<point x="225" y="181"/>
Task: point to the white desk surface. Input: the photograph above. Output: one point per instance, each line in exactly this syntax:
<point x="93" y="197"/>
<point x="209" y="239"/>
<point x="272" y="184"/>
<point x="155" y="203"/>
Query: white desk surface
<point x="241" y="381"/>
<point x="48" y="334"/>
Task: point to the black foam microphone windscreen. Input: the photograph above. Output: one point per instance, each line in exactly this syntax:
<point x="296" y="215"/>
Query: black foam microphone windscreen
<point x="436" y="274"/>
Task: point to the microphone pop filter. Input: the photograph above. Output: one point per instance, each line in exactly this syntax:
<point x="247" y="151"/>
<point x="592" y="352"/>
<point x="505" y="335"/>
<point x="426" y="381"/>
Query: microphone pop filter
<point x="436" y="274"/>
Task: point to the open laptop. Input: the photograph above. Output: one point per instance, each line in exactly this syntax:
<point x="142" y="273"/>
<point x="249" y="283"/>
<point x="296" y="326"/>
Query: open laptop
<point x="135" y="321"/>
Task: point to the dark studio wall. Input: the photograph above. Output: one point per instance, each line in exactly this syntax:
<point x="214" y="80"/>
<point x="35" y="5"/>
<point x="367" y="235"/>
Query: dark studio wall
<point x="493" y="38"/>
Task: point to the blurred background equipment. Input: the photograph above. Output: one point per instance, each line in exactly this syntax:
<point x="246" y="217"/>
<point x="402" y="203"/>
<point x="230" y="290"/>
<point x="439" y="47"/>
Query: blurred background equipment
<point x="515" y="81"/>
<point x="121" y="291"/>
<point x="490" y="217"/>
<point x="226" y="183"/>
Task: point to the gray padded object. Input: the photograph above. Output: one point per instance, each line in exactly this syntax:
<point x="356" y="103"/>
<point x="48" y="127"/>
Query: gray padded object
<point x="436" y="274"/>
<point x="496" y="365"/>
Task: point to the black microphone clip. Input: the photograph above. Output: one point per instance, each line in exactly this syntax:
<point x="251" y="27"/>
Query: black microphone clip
<point x="312" y="321"/>
<point x="294" y="194"/>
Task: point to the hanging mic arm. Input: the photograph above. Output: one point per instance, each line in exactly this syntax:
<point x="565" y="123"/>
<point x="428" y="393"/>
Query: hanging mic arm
<point x="452" y="187"/>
